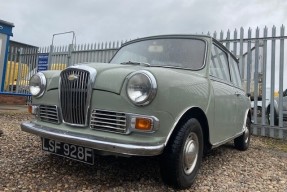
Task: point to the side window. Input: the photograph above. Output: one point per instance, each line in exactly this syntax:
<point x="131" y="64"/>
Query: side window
<point x="219" y="64"/>
<point x="235" y="75"/>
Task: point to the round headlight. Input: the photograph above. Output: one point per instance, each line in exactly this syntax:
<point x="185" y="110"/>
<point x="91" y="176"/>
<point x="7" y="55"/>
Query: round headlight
<point x="37" y="84"/>
<point x="141" y="87"/>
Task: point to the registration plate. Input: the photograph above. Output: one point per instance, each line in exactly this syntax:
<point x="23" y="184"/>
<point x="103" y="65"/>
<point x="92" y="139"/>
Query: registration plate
<point x="71" y="151"/>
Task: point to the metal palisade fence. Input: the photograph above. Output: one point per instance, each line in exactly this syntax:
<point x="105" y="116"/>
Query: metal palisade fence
<point x="72" y="54"/>
<point x="261" y="62"/>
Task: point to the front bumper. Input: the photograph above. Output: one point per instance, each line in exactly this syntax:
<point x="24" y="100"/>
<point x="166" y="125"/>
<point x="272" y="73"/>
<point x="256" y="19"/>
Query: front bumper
<point x="95" y="142"/>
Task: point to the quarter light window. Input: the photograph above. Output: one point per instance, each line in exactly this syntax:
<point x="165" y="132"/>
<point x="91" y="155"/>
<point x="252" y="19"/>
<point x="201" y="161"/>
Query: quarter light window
<point x="219" y="64"/>
<point x="235" y="75"/>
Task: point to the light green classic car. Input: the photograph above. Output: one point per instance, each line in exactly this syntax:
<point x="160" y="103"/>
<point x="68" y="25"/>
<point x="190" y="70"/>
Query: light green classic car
<point x="176" y="96"/>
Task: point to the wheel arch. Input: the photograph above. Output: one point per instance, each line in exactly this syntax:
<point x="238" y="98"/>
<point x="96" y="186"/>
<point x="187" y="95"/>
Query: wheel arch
<point x="193" y="112"/>
<point x="249" y="114"/>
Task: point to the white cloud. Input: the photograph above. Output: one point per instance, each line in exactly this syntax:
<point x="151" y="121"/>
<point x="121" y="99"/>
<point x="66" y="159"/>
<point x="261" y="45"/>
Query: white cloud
<point x="105" y="20"/>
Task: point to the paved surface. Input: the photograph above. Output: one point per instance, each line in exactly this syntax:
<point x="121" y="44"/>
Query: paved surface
<point x="24" y="167"/>
<point x="13" y="108"/>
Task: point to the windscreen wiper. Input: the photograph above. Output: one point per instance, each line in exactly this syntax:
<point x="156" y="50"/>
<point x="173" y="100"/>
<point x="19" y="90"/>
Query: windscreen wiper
<point x="136" y="63"/>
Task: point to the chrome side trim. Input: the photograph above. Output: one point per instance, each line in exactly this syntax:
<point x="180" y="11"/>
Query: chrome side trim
<point x="226" y="140"/>
<point x="95" y="142"/>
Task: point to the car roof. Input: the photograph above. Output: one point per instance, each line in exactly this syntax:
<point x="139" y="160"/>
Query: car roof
<point x="187" y="36"/>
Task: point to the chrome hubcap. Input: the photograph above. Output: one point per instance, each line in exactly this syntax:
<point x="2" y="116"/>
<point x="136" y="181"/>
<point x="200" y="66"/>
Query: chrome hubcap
<point x="190" y="153"/>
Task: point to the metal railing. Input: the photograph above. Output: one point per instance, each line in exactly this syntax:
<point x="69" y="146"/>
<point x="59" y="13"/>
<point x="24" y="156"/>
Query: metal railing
<point x="261" y="62"/>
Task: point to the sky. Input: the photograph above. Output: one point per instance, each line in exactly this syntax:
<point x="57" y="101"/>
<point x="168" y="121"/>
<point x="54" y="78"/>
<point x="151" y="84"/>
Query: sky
<point x="111" y="20"/>
<point x="95" y="21"/>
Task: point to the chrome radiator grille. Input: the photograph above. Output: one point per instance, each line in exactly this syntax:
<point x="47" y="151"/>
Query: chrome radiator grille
<point x="108" y="121"/>
<point x="48" y="113"/>
<point x="74" y="93"/>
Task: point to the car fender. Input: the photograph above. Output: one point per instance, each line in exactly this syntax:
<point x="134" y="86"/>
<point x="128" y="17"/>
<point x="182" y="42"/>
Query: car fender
<point x="181" y="117"/>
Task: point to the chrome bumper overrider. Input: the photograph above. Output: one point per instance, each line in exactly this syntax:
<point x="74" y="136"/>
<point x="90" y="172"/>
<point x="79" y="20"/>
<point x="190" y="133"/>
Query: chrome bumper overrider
<point x="95" y="142"/>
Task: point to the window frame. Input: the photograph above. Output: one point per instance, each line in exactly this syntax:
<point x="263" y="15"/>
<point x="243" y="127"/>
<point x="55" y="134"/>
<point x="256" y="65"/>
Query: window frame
<point x="201" y="38"/>
<point x="237" y="67"/>
<point x="228" y="65"/>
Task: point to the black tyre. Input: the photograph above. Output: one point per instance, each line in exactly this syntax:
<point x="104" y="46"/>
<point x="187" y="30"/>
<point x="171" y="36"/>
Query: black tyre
<point x="182" y="157"/>
<point x="268" y="117"/>
<point x="242" y="142"/>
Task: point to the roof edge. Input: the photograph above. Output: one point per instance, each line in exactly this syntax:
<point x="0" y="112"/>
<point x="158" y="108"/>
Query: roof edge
<point x="7" y="23"/>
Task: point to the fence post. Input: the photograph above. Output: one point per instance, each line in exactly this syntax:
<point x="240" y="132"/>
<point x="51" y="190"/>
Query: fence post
<point x="70" y="50"/>
<point x="264" y="70"/>
<point x="235" y="43"/>
<point x="249" y="62"/>
<point x="228" y="38"/>
<point x="255" y="80"/>
<point x="281" y="79"/>
<point x="19" y="53"/>
<point x="50" y="56"/>
<point x="241" y="67"/>
<point x="272" y="80"/>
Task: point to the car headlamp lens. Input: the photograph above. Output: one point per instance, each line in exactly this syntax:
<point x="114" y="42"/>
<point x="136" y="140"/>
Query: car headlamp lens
<point x="141" y="87"/>
<point x="37" y="84"/>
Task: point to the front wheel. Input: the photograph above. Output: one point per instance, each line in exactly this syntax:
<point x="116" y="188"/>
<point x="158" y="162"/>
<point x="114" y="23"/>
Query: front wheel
<point x="182" y="157"/>
<point x="242" y="142"/>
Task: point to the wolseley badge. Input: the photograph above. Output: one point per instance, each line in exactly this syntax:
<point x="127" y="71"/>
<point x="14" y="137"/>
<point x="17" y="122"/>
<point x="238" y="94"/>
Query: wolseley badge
<point x="73" y="77"/>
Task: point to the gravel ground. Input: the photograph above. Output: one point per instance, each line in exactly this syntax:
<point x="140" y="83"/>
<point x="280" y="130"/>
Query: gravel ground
<point x="24" y="167"/>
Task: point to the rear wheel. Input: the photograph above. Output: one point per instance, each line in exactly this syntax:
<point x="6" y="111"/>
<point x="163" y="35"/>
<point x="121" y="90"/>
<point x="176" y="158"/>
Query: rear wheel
<point x="242" y="142"/>
<point x="182" y="157"/>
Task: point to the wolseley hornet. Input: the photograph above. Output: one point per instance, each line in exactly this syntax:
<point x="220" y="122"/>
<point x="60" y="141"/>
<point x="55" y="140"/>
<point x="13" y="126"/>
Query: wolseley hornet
<point x="172" y="96"/>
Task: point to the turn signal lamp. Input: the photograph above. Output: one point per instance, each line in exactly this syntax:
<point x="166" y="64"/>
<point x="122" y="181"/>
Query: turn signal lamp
<point x="143" y="124"/>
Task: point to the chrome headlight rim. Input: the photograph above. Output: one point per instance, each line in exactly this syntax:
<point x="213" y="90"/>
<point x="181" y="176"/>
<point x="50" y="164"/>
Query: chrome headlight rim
<point x="43" y="83"/>
<point x="152" y="91"/>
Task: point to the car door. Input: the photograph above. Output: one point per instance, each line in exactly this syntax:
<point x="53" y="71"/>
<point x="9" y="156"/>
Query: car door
<point x="224" y="96"/>
<point x="240" y="95"/>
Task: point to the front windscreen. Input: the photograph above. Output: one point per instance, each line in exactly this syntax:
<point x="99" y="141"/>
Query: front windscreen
<point x="178" y="53"/>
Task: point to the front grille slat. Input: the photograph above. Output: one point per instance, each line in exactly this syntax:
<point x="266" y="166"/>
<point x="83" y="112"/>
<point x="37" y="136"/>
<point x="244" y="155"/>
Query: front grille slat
<point x="106" y="114"/>
<point x="48" y="113"/>
<point x="118" y="120"/>
<point x="108" y="121"/>
<point x="78" y="118"/>
<point x="49" y="110"/>
<point x="110" y="128"/>
<point x="49" y="118"/>
<point x="74" y="95"/>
